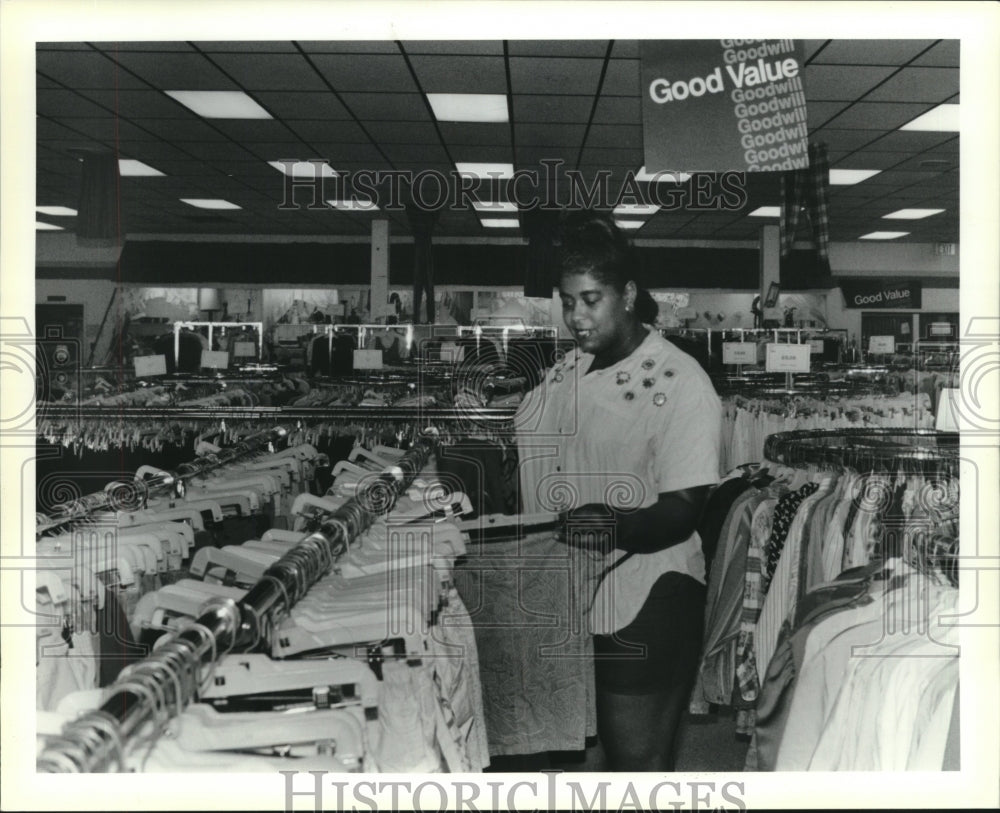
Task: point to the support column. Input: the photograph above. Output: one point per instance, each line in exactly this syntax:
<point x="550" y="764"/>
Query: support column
<point x="770" y="268"/>
<point x="380" y="270"/>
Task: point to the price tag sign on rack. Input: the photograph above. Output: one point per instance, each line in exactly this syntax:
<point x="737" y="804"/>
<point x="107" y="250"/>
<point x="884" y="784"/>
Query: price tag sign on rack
<point x="150" y="365"/>
<point x="739" y="353"/>
<point x="787" y="358"/>
<point x="215" y="359"/>
<point x="882" y="344"/>
<point x="367" y="359"/>
<point x="816" y="346"/>
<point x="244" y="350"/>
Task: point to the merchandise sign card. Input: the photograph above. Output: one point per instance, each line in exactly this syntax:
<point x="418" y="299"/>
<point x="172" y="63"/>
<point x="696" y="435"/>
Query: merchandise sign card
<point x="882" y="344"/>
<point x="150" y="365"/>
<point x="816" y="346"/>
<point x="216" y="359"/>
<point x="723" y="105"/>
<point x="244" y="350"/>
<point x="367" y="359"/>
<point x="787" y="358"/>
<point x="739" y="353"/>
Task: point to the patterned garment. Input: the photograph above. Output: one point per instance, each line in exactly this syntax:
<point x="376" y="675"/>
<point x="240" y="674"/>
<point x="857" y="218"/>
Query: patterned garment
<point x="807" y="188"/>
<point x="784" y="513"/>
<point x="753" y="599"/>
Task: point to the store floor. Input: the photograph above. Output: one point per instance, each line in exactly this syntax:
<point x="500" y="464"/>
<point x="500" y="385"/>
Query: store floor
<point x="706" y="743"/>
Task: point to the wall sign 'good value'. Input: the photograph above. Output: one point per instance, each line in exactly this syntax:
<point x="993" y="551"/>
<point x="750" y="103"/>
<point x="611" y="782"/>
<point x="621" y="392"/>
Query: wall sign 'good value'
<point x="721" y="105"/>
<point x="787" y="358"/>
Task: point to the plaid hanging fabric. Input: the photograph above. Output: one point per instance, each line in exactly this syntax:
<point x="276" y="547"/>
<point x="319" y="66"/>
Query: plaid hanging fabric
<point x="807" y="190"/>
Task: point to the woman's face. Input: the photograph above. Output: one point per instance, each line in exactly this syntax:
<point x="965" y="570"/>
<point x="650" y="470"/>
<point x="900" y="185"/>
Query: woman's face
<point x="596" y="313"/>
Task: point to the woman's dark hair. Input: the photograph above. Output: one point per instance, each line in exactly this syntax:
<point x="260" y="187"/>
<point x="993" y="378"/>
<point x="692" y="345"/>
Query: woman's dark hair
<point x="645" y="307"/>
<point x="590" y="242"/>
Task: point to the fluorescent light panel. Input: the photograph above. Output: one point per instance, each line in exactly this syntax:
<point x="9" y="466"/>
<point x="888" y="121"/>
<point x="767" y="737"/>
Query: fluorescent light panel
<point x="494" y="206"/>
<point x="56" y="211"/>
<point x="305" y="170"/>
<point x="848" y="177"/>
<point x="636" y="209"/>
<point x="133" y="168"/>
<point x="911" y="214"/>
<point x="39" y="226"/>
<point x="359" y="205"/>
<point x="219" y="104"/>
<point x="630" y="224"/>
<point x="943" y="119"/>
<point x="209" y="203"/>
<point x="662" y="177"/>
<point x="488" y="107"/>
<point x="499" y="223"/>
<point x="883" y="235"/>
<point x="484" y="171"/>
<point x="766" y="211"/>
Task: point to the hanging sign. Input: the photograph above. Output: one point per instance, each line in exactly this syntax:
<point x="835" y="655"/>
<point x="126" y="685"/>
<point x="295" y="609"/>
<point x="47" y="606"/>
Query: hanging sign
<point x="787" y="358"/>
<point x="721" y="105"/>
<point x="875" y="294"/>
<point x="739" y="353"/>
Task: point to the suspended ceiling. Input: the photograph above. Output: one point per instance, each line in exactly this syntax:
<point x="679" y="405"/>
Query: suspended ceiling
<point x="362" y="106"/>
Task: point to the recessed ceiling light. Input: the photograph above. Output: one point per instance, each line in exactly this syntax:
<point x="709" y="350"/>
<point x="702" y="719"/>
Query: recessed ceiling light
<point x="484" y="171"/>
<point x="305" y="170"/>
<point x="670" y="176"/>
<point x="765" y="211"/>
<point x="354" y="205"/>
<point x="219" y="104"/>
<point x="39" y="226"/>
<point x="636" y="209"/>
<point x="209" y="203"/>
<point x="883" y="235"/>
<point x="630" y="224"/>
<point x="846" y="177"/>
<point x="56" y="211"/>
<point x="494" y="206"/>
<point x="487" y="107"/>
<point x="499" y="223"/>
<point x="911" y="214"/>
<point x="943" y="118"/>
<point x="129" y="166"/>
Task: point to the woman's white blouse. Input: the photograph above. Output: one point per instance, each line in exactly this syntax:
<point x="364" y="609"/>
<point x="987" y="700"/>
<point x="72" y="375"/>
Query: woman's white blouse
<point x="621" y="436"/>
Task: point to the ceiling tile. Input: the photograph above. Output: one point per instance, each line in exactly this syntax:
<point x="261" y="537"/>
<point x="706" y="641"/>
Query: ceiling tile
<point x="244" y="46"/>
<point x="811" y="47"/>
<point x="208" y="150"/>
<point x="944" y="54"/>
<point x="88" y="69"/>
<point x="312" y="130"/>
<point x="147" y="103"/>
<point x="566" y="76"/>
<point x="373" y="72"/>
<point x="620" y="136"/>
<point x="302" y="104"/>
<point x="841" y="82"/>
<point x="819" y="113"/>
<point x="190" y="129"/>
<point x="460" y="74"/>
<point x="387" y="106"/>
<point x="408" y="132"/>
<point x="469" y="153"/>
<point x="871" y="52"/>
<point x="338" y="154"/>
<point x="270" y="71"/>
<point x="847" y="140"/>
<point x="877" y="115"/>
<point x="870" y="159"/>
<point x="349" y="46"/>
<point x="622" y="78"/>
<point x="102" y="128"/>
<point x="916" y="141"/>
<point x="67" y="104"/>
<point x="543" y="135"/>
<point x="556" y="48"/>
<point x="554" y="108"/>
<point x="918" y="85"/>
<point x="617" y="110"/>
<point x="176" y="71"/>
<point x="416" y="153"/>
<point x="469" y="47"/>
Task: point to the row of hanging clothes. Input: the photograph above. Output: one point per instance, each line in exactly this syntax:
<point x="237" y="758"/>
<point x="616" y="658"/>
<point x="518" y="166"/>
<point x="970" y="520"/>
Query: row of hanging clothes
<point x="753" y="411"/>
<point x="832" y="571"/>
<point x="332" y="639"/>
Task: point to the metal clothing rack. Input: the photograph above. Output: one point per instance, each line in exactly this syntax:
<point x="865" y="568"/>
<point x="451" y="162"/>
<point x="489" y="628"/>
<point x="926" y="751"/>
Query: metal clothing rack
<point x="212" y="327"/>
<point x="159" y="687"/>
<point x="126" y="495"/>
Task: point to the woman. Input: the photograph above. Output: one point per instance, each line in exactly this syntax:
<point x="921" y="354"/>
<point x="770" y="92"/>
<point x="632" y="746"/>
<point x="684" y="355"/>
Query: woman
<point x="628" y="427"/>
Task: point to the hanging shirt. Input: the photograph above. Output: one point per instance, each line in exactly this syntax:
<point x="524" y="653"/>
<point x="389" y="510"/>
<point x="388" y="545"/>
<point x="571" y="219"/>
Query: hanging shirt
<point x="621" y="436"/>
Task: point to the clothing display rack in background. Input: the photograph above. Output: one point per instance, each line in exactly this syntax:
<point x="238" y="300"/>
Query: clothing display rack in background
<point x="840" y="544"/>
<point x="214" y="328"/>
<point x="182" y="664"/>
